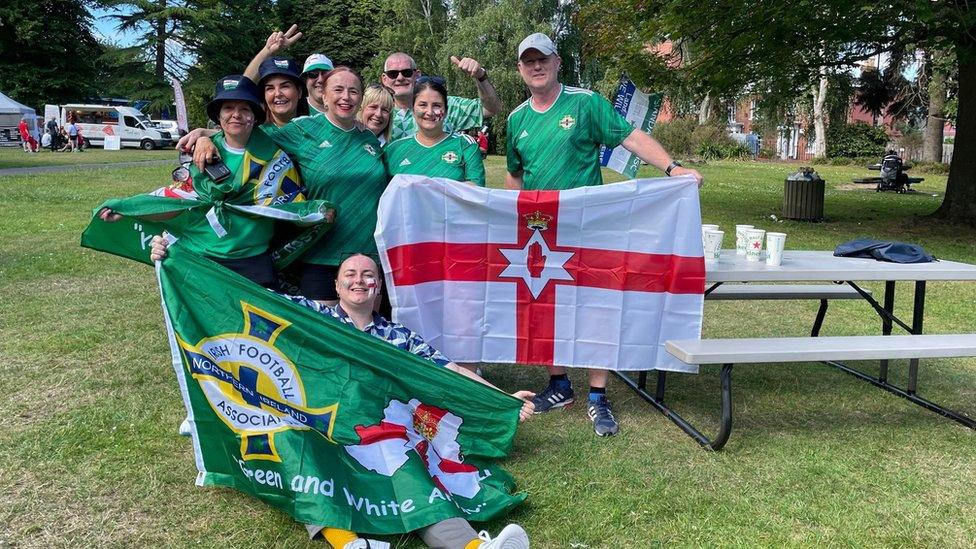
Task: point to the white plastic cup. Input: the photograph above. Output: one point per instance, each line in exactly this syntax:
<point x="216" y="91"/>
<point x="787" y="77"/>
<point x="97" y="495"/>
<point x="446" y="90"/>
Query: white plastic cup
<point x="713" y="244"/>
<point x="740" y="238"/>
<point x="705" y="229"/>
<point x="754" y="244"/>
<point x="775" y="244"/>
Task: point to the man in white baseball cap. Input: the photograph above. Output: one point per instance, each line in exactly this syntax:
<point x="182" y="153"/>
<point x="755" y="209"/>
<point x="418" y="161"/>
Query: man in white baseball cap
<point x="553" y="143"/>
<point x="315" y="71"/>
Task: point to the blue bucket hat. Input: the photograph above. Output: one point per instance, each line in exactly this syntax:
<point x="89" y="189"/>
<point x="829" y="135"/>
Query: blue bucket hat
<point x="280" y="66"/>
<point x="235" y="87"/>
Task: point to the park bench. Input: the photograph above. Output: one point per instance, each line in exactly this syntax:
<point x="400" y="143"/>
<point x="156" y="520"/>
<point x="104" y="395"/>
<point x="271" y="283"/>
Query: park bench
<point x="829" y="350"/>
<point x="822" y="292"/>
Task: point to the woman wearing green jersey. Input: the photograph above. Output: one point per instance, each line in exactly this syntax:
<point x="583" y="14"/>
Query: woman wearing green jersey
<point x="250" y="157"/>
<point x="432" y="151"/>
<point x="339" y="162"/>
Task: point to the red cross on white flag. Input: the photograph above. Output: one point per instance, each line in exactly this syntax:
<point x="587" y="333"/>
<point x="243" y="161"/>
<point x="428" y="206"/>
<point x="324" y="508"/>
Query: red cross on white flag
<point x="593" y="277"/>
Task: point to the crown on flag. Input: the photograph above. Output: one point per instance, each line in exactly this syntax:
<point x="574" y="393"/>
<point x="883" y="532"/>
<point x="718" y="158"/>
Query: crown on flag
<point x="425" y="423"/>
<point x="537" y="220"/>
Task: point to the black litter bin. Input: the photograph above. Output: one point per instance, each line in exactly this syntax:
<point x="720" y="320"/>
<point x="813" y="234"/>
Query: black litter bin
<point x="803" y="196"/>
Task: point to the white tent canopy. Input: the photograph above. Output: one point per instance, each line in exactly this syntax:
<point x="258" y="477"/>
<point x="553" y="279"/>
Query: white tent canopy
<point x="11" y="112"/>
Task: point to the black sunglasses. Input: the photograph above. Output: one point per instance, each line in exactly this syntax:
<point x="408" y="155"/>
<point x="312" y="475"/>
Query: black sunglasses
<point x="312" y="75"/>
<point x="407" y="73"/>
<point x="439" y="80"/>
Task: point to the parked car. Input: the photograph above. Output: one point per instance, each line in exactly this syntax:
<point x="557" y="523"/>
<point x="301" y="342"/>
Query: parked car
<point x="170" y="126"/>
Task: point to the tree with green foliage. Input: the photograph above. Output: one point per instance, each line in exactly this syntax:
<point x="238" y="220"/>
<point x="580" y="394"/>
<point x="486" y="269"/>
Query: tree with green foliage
<point x="788" y="43"/>
<point x="46" y="51"/>
<point x="491" y="33"/>
<point x="347" y="31"/>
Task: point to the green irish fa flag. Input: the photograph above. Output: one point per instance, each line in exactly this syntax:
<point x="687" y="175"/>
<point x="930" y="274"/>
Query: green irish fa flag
<point x="325" y="422"/>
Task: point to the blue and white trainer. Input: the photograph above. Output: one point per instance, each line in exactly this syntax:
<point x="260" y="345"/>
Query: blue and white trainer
<point x="552" y="397"/>
<point x="604" y="424"/>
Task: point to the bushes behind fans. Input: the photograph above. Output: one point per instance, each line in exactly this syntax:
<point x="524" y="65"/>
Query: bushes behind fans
<point x="854" y="140"/>
<point x="684" y="138"/>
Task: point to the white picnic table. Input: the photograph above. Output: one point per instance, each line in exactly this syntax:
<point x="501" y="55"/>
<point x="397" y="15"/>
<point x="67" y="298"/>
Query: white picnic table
<point x="820" y="266"/>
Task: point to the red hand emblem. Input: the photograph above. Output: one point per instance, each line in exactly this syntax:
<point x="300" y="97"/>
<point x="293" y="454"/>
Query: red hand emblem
<point x="536" y="262"/>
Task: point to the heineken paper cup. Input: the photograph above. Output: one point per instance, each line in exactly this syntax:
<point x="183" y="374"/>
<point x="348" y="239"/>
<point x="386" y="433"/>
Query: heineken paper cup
<point x="775" y="242"/>
<point x="754" y="243"/>
<point x="740" y="239"/>
<point x="713" y="244"/>
<point x="705" y="229"/>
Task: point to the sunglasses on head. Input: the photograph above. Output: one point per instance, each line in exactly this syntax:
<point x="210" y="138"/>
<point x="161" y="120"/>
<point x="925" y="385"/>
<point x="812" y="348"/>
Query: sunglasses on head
<point x="439" y="80"/>
<point x="392" y="74"/>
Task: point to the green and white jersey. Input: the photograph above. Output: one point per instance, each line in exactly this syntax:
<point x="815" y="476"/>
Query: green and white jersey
<point x="462" y="114"/>
<point x="560" y="147"/>
<point x="247" y="236"/>
<point x="346" y="168"/>
<point x="456" y="157"/>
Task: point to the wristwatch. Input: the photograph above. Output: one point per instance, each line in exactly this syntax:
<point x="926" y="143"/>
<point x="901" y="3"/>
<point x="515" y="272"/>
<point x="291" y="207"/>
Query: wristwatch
<point x="674" y="164"/>
<point x="483" y="76"/>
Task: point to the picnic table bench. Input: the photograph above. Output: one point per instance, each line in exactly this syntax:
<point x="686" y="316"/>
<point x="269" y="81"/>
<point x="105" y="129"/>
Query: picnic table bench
<point x="830" y="350"/>
<point x="812" y="266"/>
<point x="777" y="292"/>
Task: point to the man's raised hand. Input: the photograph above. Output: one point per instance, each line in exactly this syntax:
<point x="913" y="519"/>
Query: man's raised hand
<point x="468" y="66"/>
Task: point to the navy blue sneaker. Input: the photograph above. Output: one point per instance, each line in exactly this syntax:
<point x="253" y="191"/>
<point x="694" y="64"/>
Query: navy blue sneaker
<point x="600" y="414"/>
<point x="552" y="397"/>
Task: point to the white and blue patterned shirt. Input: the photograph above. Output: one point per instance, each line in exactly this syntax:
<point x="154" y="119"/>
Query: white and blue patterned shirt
<point x="395" y="334"/>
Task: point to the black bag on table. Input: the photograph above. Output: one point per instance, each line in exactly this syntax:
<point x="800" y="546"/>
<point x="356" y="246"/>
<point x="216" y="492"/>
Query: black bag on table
<point x="884" y="250"/>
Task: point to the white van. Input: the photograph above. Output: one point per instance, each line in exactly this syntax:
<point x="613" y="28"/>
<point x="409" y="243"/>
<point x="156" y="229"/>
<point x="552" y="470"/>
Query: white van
<point x="133" y="128"/>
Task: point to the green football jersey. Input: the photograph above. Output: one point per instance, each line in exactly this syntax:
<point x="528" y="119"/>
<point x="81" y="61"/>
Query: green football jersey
<point x="560" y="148"/>
<point x="247" y="236"/>
<point x="456" y="157"/>
<point x="462" y="114"/>
<point x="346" y="168"/>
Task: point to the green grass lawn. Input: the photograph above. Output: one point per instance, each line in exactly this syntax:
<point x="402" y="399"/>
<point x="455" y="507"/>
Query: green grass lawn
<point x="11" y="157"/>
<point x="90" y="454"/>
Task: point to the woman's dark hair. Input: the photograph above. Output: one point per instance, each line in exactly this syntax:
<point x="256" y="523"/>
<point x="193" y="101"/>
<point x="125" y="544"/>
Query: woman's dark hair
<point x="435" y="83"/>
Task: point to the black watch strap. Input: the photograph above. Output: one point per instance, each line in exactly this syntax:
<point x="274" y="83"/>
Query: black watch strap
<point x="483" y="76"/>
<point x="674" y="164"/>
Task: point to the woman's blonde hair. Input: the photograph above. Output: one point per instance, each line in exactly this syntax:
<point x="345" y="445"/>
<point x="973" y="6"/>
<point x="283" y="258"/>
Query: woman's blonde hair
<point x="376" y="93"/>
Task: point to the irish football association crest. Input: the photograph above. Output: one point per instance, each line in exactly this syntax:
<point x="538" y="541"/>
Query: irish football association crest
<point x="252" y="387"/>
<point x="450" y="157"/>
<point x="567" y="122"/>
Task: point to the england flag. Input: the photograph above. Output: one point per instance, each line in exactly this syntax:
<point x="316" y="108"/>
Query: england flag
<point x="597" y="277"/>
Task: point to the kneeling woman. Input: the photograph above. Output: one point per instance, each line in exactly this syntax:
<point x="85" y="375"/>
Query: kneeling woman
<point x="432" y="151"/>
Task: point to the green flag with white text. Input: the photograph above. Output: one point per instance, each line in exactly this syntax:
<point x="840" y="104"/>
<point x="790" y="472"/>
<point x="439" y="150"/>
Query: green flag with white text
<point x="323" y="421"/>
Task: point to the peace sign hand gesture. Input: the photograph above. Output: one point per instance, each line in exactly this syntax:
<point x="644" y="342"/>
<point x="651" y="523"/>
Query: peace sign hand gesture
<point x="279" y="41"/>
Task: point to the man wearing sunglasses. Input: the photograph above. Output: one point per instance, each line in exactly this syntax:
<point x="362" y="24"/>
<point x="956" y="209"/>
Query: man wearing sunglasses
<point x="315" y="72"/>
<point x="400" y="73"/>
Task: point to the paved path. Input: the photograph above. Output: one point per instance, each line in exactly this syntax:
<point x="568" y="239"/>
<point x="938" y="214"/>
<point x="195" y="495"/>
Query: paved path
<point x="31" y="170"/>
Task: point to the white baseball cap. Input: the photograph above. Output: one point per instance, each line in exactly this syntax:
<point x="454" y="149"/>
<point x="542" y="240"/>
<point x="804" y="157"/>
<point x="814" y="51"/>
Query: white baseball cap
<point x="317" y="62"/>
<point x="537" y="41"/>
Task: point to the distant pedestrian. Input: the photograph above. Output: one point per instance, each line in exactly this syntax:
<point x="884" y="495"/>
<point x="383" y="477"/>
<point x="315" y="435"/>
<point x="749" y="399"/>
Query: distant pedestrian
<point x="52" y="129"/>
<point x="72" y="132"/>
<point x="46" y="140"/>
<point x="25" y="137"/>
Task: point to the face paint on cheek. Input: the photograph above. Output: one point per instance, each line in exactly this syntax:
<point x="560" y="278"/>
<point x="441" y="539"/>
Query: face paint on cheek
<point x="345" y="284"/>
<point x="438" y="113"/>
<point x="370" y="286"/>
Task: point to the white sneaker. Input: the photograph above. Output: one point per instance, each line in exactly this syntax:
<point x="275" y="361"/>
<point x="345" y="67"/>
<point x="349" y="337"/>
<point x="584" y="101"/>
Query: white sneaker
<point x="185" y="428"/>
<point x="512" y="536"/>
<point x="363" y="543"/>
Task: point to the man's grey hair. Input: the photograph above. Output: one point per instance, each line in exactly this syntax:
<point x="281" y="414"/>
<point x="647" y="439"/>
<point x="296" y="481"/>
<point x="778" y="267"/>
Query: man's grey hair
<point x="413" y="64"/>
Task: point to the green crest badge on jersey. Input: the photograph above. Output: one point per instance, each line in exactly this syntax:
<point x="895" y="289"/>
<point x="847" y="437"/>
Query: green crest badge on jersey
<point x="450" y="157"/>
<point x="567" y="122"/>
<point x="370" y="149"/>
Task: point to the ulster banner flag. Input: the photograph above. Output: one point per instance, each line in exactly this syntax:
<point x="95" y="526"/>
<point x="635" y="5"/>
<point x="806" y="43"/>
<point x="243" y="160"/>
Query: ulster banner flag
<point x="595" y="277"/>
